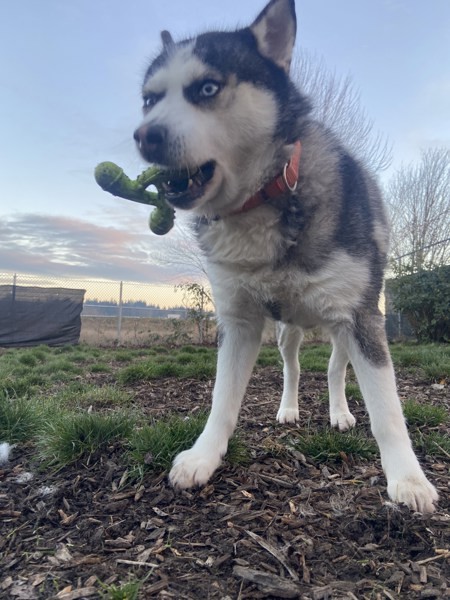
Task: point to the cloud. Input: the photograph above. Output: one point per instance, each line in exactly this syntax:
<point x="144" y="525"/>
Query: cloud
<point x="67" y="247"/>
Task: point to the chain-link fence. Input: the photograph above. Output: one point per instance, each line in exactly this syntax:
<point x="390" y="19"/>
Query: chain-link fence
<point x="130" y="313"/>
<point x="117" y="311"/>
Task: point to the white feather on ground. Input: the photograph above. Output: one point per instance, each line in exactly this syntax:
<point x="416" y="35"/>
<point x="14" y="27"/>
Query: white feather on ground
<point x="5" y="451"/>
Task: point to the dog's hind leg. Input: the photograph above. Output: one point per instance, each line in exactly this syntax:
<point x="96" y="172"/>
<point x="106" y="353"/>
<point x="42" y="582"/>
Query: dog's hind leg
<point x="289" y="338"/>
<point x="367" y="349"/>
<point x="240" y="342"/>
<point x="340" y="416"/>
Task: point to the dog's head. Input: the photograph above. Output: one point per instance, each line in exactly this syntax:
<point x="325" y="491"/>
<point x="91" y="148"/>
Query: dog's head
<point x="219" y="110"/>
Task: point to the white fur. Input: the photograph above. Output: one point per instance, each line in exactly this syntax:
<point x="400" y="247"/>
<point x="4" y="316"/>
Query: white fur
<point x="278" y="48"/>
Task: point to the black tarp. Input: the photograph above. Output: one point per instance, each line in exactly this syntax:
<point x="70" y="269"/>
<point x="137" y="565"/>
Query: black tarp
<point x="30" y="316"/>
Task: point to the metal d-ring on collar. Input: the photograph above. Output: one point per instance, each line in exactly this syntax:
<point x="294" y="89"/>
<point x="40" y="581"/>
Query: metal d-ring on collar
<point x="286" y="181"/>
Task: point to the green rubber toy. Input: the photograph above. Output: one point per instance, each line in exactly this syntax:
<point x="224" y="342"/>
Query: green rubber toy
<point x="111" y="178"/>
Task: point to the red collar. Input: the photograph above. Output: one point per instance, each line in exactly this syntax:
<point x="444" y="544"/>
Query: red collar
<point x="285" y="182"/>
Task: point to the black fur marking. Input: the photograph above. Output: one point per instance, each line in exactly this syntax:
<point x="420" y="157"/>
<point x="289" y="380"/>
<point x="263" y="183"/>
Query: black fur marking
<point x="297" y="249"/>
<point x="369" y="332"/>
<point x="236" y="53"/>
<point x="355" y="218"/>
<point x="293" y="221"/>
<point x="361" y="206"/>
<point x="220" y="335"/>
<point x="161" y="60"/>
<point x="274" y="308"/>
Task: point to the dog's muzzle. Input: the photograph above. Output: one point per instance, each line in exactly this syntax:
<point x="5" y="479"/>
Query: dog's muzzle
<point x="183" y="186"/>
<point x="151" y="141"/>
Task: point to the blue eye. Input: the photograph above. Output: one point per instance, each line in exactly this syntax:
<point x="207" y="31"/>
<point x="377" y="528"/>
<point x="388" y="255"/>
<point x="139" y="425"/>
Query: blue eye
<point x="202" y="91"/>
<point x="209" y="89"/>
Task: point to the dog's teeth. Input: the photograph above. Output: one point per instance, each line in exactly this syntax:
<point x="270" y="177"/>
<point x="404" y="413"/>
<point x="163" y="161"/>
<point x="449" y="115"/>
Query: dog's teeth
<point x="199" y="179"/>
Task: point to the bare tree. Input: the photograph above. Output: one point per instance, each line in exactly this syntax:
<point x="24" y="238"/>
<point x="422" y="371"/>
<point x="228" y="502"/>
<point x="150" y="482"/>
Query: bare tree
<point x="181" y="249"/>
<point x="418" y="197"/>
<point x="337" y="104"/>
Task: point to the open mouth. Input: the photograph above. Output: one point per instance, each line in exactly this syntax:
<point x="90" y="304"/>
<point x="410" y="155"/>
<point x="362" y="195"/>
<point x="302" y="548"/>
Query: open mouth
<point x="183" y="188"/>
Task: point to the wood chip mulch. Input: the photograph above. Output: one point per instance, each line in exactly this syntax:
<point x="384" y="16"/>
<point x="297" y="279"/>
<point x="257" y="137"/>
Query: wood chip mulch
<point x="280" y="527"/>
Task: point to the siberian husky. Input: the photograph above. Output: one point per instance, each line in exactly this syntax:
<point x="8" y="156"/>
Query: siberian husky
<point x="293" y="228"/>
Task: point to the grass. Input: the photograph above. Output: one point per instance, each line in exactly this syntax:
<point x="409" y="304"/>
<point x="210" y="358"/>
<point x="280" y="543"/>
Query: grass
<point x="126" y="591"/>
<point x="352" y="393"/>
<point x="49" y="399"/>
<point x="433" y="443"/>
<point x="21" y="418"/>
<point x="181" y="364"/>
<point x="332" y="445"/>
<point x="154" y="447"/>
<point x="315" y="357"/>
<point x="424" y="414"/>
<point x="77" y="394"/>
<point x="71" y="437"/>
<point x="429" y="360"/>
<point x="269" y="356"/>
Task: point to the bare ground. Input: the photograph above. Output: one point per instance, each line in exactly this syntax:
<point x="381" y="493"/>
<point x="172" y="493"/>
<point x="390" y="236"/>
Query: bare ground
<point x="281" y="527"/>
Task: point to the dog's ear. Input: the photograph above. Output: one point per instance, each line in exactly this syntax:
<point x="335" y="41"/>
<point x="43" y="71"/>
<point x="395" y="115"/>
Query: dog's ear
<point x="167" y="39"/>
<point x="275" y="30"/>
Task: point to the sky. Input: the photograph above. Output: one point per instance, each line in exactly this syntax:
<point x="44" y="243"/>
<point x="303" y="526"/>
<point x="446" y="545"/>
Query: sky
<point x="70" y="76"/>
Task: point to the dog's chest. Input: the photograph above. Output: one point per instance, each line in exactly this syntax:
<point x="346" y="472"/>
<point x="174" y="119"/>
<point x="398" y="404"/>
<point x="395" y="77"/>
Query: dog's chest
<point x="244" y="270"/>
<point x="248" y="243"/>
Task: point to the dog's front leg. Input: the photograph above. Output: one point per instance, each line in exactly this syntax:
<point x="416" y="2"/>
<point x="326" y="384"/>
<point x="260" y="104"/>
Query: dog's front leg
<point x="241" y="339"/>
<point x="368" y="352"/>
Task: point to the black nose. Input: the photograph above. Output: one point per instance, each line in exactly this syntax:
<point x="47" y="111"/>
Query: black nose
<point x="151" y="140"/>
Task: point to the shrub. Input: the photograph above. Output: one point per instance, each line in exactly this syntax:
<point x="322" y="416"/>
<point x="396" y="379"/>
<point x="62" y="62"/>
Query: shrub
<point x="424" y="298"/>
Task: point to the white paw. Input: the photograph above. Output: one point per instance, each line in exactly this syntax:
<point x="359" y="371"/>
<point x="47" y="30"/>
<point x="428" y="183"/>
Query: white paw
<point x="191" y="468"/>
<point x="287" y="415"/>
<point x="414" y="491"/>
<point x="343" y="420"/>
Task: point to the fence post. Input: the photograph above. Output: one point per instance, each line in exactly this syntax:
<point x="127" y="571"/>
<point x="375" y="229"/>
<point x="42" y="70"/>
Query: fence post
<point x="119" y="315"/>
